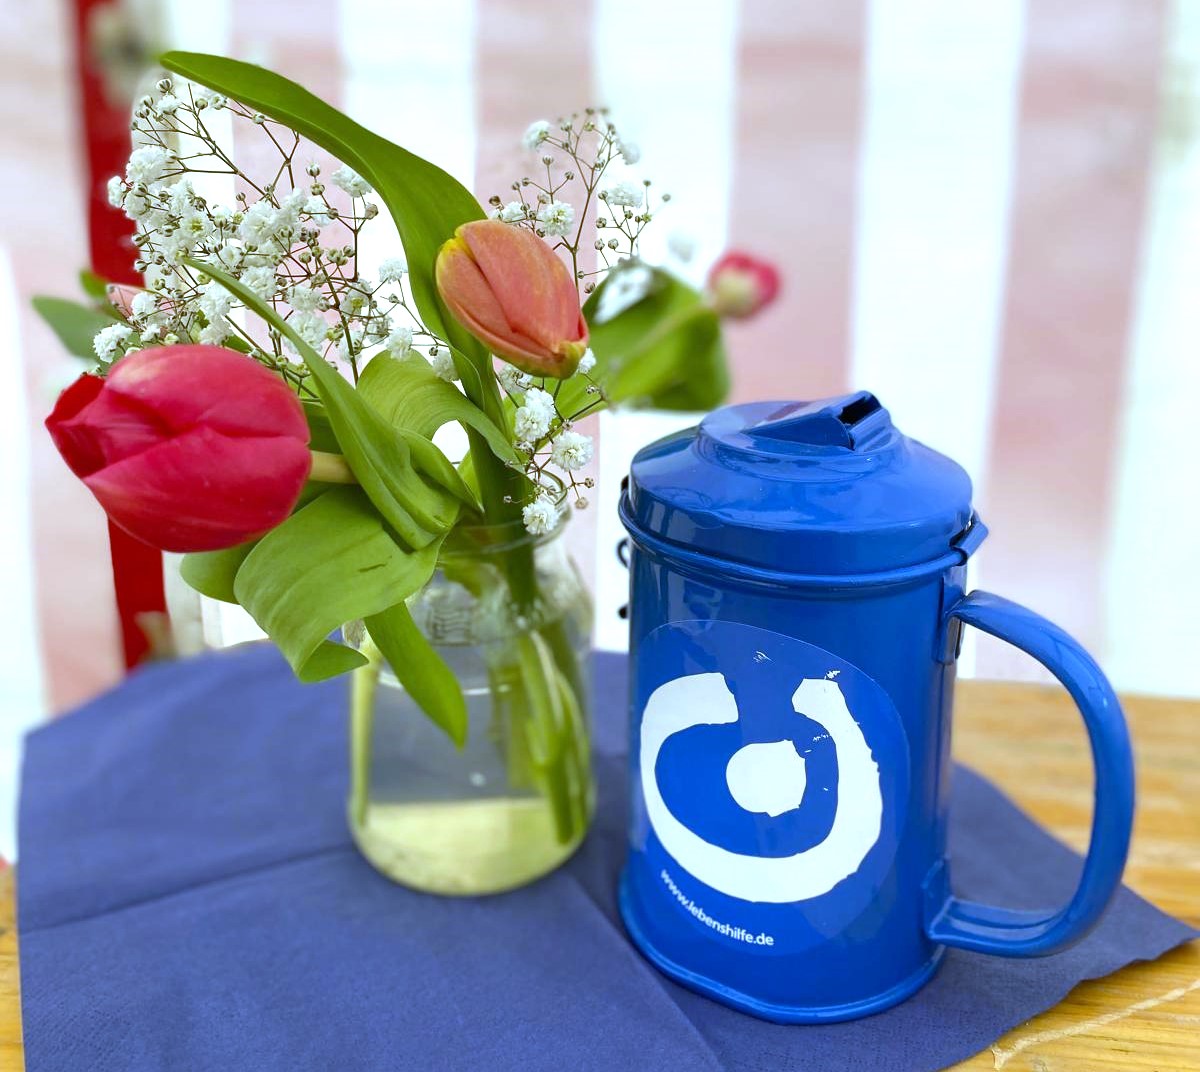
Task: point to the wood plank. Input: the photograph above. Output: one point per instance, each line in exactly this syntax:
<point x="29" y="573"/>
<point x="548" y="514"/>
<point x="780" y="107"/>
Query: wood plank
<point x="11" y="1051"/>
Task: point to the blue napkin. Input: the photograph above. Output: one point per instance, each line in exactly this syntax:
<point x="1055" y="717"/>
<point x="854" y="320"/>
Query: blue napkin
<point x="189" y="899"/>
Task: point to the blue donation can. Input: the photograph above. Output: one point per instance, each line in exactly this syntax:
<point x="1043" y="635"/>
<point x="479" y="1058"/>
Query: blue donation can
<point x="797" y="604"/>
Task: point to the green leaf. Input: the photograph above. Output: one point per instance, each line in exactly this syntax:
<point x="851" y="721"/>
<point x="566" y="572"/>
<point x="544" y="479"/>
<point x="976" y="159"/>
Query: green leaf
<point x="320" y="431"/>
<point x="382" y="458"/>
<point x="425" y="202"/>
<point x="420" y="669"/>
<point x="432" y="463"/>
<point x="662" y="348"/>
<point x="409" y="394"/>
<point x="94" y="286"/>
<point x="382" y="461"/>
<point x="212" y="573"/>
<point x="330" y="563"/>
<point x="75" y="324"/>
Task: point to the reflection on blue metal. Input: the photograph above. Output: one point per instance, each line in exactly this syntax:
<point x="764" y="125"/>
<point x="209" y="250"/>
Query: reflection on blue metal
<point x="796" y="584"/>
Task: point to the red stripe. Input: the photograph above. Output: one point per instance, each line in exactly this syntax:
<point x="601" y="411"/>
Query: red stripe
<point x="800" y="88"/>
<point x="1087" y="118"/>
<point x="137" y="568"/>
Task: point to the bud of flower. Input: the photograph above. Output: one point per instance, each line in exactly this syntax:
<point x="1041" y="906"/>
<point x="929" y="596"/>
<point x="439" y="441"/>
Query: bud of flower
<point x="509" y="290"/>
<point x="189" y="448"/>
<point x="740" y="285"/>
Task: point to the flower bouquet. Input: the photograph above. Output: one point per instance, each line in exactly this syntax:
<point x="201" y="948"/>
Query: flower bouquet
<point x="265" y="407"/>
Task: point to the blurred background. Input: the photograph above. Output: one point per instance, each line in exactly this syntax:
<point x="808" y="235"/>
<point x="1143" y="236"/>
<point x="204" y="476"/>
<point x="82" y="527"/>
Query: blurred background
<point x="988" y="214"/>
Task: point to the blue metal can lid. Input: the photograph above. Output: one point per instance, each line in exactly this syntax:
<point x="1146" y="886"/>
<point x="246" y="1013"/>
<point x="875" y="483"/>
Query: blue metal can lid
<point x="827" y="487"/>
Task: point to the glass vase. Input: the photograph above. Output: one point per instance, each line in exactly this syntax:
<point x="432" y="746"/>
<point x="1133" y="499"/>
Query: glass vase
<point x="511" y="617"/>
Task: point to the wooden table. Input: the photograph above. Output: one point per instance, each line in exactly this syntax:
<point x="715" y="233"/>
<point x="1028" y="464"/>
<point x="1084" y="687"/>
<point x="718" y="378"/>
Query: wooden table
<point x="1029" y="740"/>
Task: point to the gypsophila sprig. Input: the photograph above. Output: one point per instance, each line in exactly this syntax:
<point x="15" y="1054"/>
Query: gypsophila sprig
<point x="287" y="236"/>
<point x="581" y="199"/>
<point x="575" y="159"/>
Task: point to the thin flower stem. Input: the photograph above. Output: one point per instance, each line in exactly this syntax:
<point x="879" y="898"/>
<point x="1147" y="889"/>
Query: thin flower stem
<point x="330" y="469"/>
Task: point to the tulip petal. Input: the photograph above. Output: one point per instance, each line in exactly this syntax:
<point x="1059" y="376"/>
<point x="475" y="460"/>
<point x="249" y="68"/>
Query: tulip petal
<point x="203" y="491"/>
<point x="530" y="283"/>
<point x="473" y="304"/>
<point x="229" y="392"/>
<point x="91" y="428"/>
<point x="80" y="453"/>
<point x="466" y="292"/>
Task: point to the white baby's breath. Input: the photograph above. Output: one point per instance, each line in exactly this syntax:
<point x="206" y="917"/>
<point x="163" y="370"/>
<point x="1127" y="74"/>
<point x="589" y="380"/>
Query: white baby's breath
<point x="443" y="364"/>
<point x="536" y="133"/>
<point x="399" y="342"/>
<point x="303" y="299"/>
<point x="109" y="342"/>
<point x="533" y="417"/>
<point x="571" y="450"/>
<point x="556" y="218"/>
<point x="629" y="151"/>
<point x="540" y="516"/>
<point x="349" y="180"/>
<point x="147" y="164"/>
<point x="513" y="212"/>
<point x="512" y="379"/>
<point x="392" y="270"/>
<point x="625" y="194"/>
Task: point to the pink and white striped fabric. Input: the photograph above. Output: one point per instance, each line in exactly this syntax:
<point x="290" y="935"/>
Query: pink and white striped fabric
<point x="986" y="213"/>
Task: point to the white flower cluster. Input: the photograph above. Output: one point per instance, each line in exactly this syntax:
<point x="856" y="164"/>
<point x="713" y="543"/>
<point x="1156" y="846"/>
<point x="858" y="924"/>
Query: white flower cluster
<point x="556" y="218"/>
<point x="571" y="451"/>
<point x="541" y="516"/>
<point x="625" y="194"/>
<point x="290" y="243"/>
<point x="534" y="417"/>
<point x="575" y="154"/>
<point x="541" y="430"/>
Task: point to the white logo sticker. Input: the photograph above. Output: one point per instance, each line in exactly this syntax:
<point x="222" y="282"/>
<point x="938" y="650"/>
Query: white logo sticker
<point x="766" y="778"/>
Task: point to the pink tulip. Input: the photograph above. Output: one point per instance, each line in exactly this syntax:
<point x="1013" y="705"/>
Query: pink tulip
<point x="120" y="297"/>
<point x="188" y="448"/>
<point x="510" y="290"/>
<point x="741" y="285"/>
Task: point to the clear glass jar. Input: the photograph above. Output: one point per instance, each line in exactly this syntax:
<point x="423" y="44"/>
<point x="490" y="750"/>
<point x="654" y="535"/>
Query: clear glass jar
<point x="510" y="615"/>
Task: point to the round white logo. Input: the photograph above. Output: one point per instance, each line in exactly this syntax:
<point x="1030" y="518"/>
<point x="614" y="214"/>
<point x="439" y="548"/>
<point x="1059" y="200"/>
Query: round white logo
<point x="768" y="778"/>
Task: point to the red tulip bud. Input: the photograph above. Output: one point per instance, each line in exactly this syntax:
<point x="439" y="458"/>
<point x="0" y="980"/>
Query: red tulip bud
<point x="741" y="285"/>
<point x="189" y="448"/>
<point x="510" y="290"/>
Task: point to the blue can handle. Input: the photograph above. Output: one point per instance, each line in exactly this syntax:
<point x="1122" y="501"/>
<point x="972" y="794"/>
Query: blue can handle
<point x="1009" y="932"/>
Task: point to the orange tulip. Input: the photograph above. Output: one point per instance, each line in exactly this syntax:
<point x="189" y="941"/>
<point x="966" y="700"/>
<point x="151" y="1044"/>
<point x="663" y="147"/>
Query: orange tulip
<point x="510" y="290"/>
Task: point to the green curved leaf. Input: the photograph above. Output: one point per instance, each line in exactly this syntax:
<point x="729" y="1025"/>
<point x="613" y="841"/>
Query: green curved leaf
<point x="212" y="573"/>
<point x="75" y="324"/>
<point x="656" y="344"/>
<point x="420" y="669"/>
<point x="409" y="394"/>
<point x="320" y="431"/>
<point x="93" y="285"/>
<point x="330" y="563"/>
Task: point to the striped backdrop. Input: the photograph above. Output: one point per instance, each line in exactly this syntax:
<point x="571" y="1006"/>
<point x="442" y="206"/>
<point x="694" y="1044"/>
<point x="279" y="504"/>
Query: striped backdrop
<point x="987" y="213"/>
